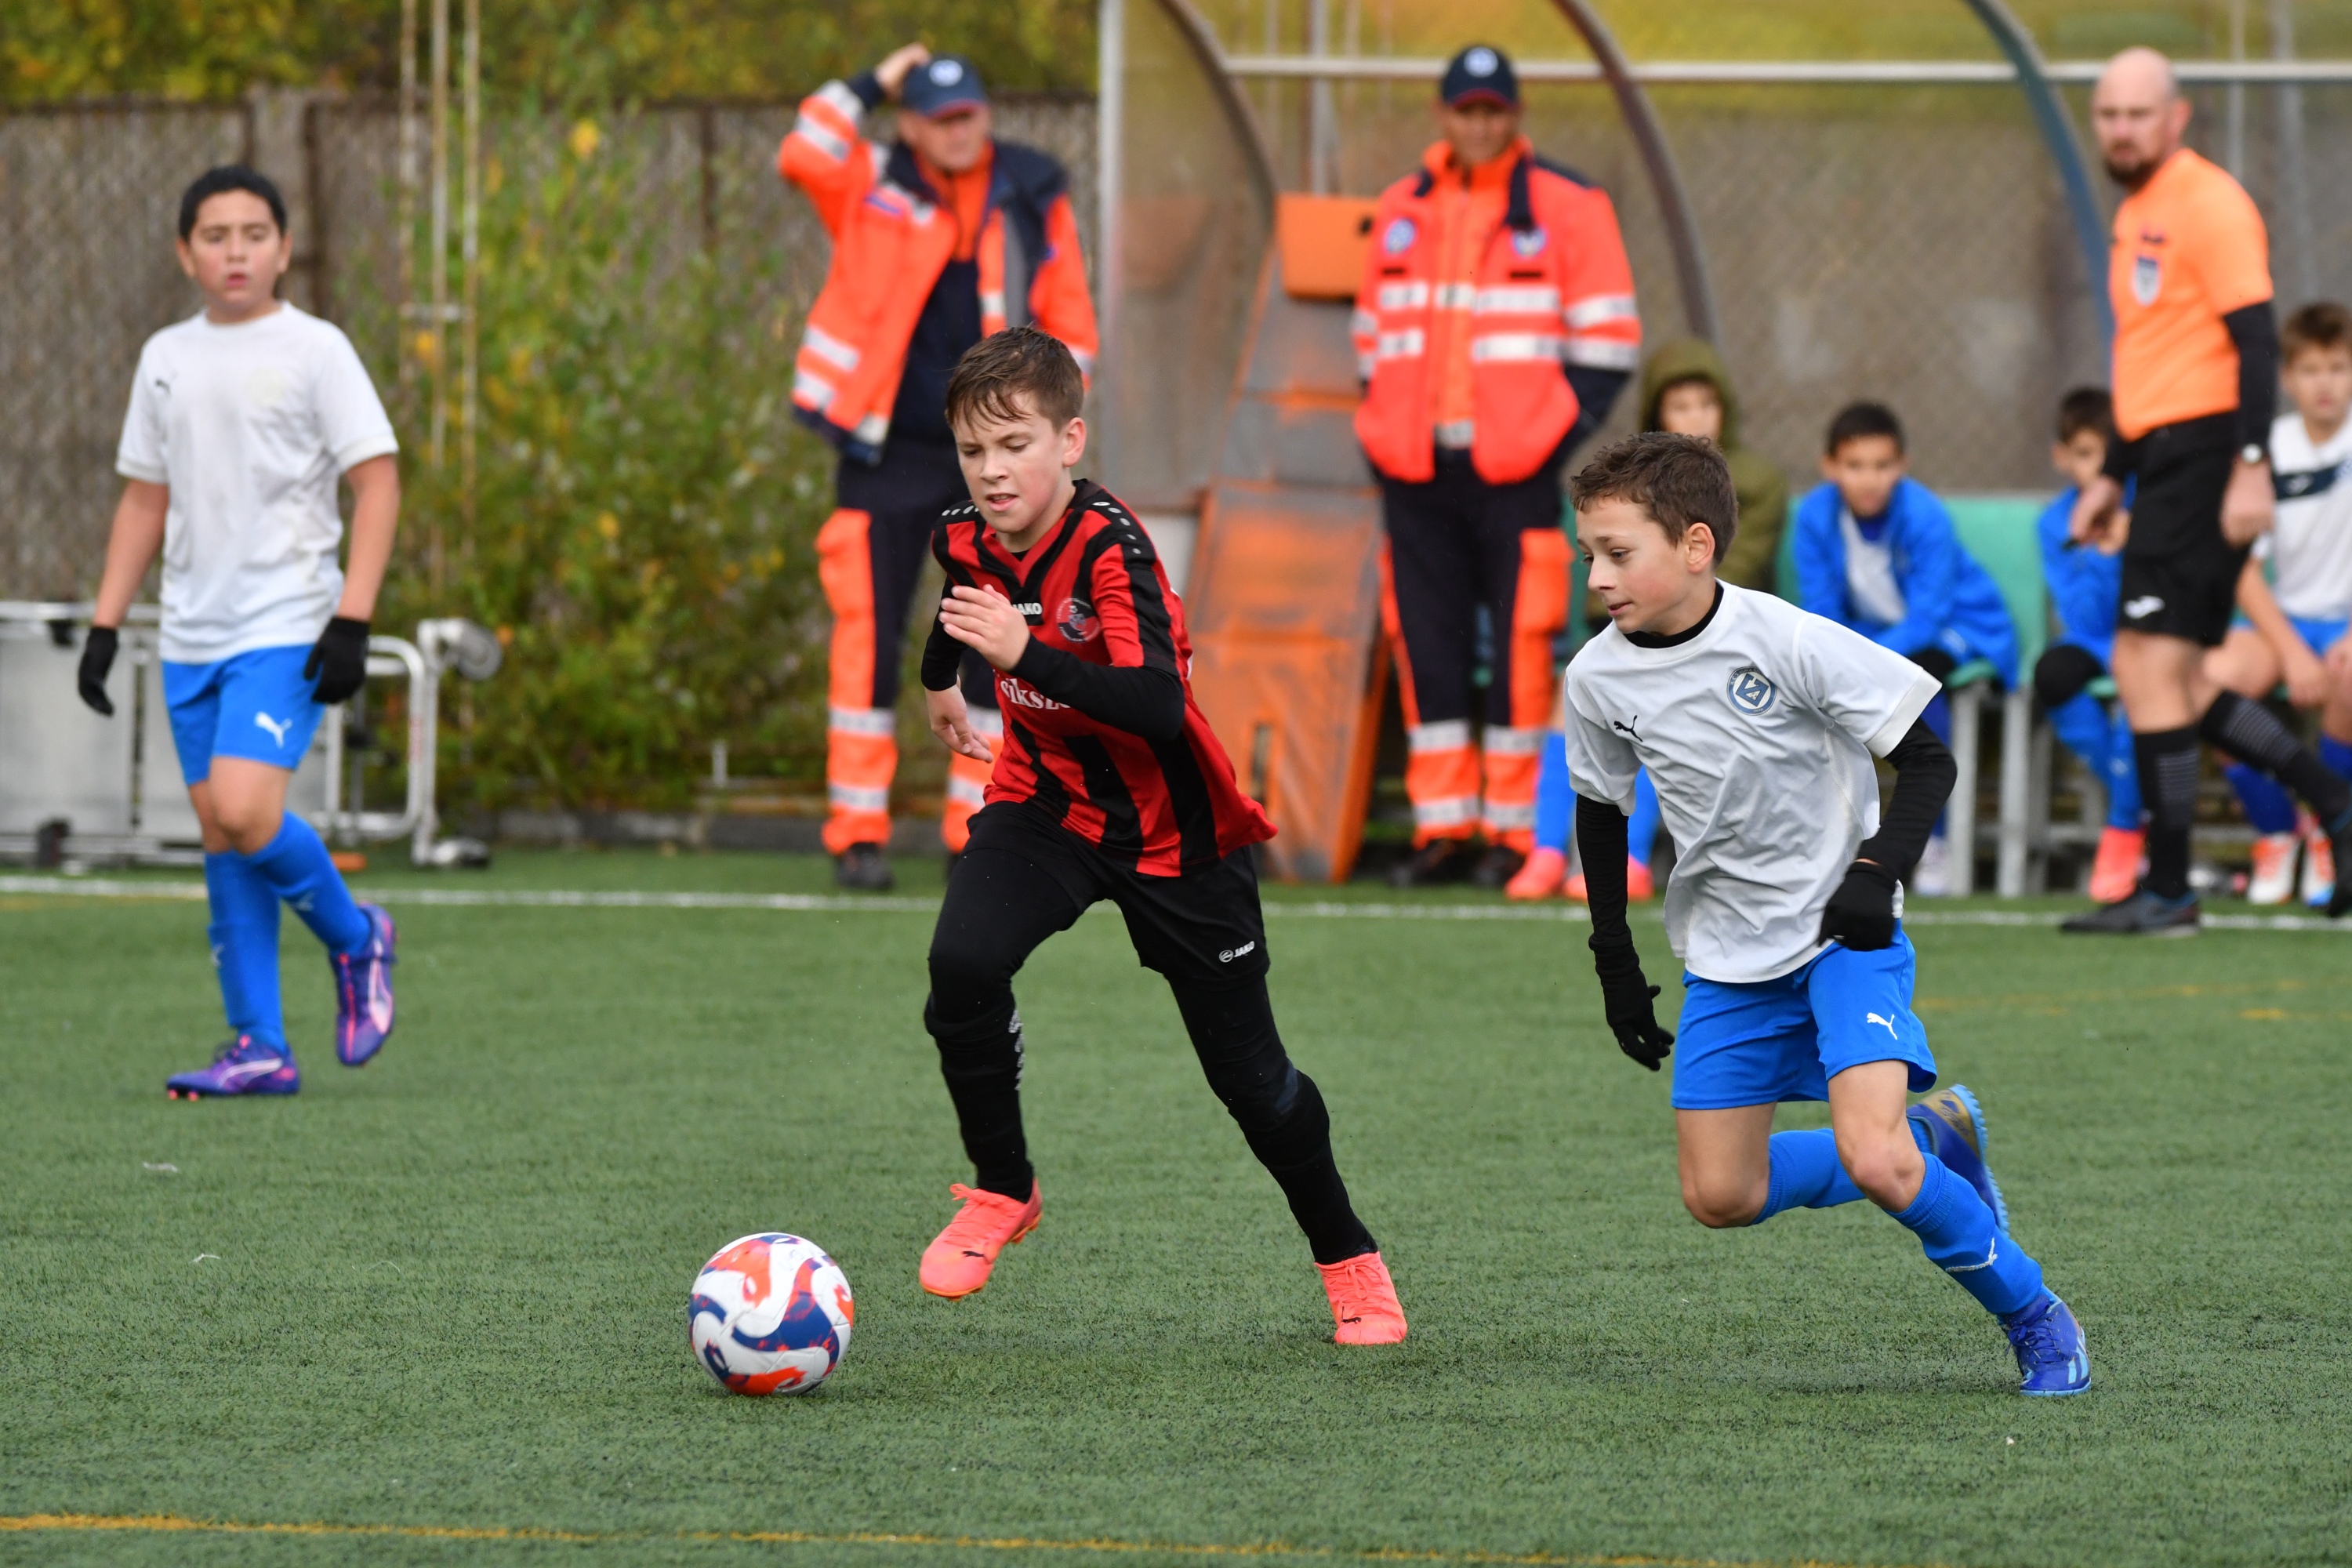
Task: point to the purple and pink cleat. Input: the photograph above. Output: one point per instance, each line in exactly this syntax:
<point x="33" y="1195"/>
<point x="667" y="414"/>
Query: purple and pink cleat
<point x="245" y="1066"/>
<point x="364" y="991"/>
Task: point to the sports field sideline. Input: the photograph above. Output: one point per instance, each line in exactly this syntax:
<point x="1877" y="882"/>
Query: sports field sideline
<point x="435" y="1311"/>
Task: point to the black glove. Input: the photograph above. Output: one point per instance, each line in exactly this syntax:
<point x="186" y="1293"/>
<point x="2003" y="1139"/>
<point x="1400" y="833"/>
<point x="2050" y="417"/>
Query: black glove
<point x="339" y="659"/>
<point x="97" y="652"/>
<point x="1861" y="913"/>
<point x="1627" y="997"/>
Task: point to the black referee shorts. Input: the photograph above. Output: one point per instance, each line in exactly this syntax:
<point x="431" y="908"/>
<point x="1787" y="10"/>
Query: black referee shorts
<point x="1205" y="926"/>
<point x="2179" y="575"/>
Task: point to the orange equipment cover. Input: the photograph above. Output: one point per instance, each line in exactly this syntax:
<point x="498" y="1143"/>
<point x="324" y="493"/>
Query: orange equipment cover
<point x="1322" y="240"/>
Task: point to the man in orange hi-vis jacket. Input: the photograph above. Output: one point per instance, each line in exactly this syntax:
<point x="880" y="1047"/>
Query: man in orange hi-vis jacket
<point x="942" y="238"/>
<point x="1495" y="327"/>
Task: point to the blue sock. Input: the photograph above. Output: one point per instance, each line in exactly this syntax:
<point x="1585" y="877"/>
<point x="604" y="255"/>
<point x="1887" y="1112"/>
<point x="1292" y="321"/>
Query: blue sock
<point x="2269" y="808"/>
<point x="1641" y="827"/>
<point x="2336" y="754"/>
<point x="1555" y="797"/>
<point x="2123" y="775"/>
<point x="243" y="934"/>
<point x="1958" y="1231"/>
<point x="295" y="866"/>
<point x="1806" y="1174"/>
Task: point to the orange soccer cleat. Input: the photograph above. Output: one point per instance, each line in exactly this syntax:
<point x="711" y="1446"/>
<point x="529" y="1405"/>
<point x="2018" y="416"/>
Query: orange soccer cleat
<point x="1364" y="1303"/>
<point x="956" y="1264"/>
<point x="2115" y="871"/>
<point x="1540" y="878"/>
<point x="1640" y="886"/>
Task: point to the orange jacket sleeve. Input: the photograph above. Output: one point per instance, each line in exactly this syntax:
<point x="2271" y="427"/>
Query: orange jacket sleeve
<point x="1059" y="300"/>
<point x="826" y="154"/>
<point x="1596" y="304"/>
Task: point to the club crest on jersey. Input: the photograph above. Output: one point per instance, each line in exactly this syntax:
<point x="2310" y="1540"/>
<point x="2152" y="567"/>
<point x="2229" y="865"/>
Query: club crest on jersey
<point x="1399" y="236"/>
<point x="1078" y="620"/>
<point x="2147" y="278"/>
<point x="1751" y="690"/>
<point x="1527" y="244"/>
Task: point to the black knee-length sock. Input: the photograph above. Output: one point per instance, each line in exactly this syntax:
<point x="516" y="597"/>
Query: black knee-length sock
<point x="2252" y="733"/>
<point x="981" y="1063"/>
<point x="2168" y="782"/>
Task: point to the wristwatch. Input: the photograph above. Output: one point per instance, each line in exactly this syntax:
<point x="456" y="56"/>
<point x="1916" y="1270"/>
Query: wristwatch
<point x="2252" y="453"/>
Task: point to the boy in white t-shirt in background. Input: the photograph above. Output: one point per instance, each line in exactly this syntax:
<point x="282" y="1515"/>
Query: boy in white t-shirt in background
<point x="2294" y="598"/>
<point x="1759" y="724"/>
<point x="241" y="419"/>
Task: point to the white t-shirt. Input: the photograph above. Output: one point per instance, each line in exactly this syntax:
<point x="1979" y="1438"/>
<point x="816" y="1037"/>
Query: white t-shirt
<point x="2310" y="547"/>
<point x="1870" y="573"/>
<point x="250" y="425"/>
<point x="1758" y="734"/>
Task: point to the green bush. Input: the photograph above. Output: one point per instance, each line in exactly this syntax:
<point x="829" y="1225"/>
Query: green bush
<point x="643" y="533"/>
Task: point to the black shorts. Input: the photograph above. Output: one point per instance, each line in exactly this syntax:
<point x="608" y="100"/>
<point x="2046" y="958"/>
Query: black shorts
<point x="1203" y="926"/>
<point x="2179" y="575"/>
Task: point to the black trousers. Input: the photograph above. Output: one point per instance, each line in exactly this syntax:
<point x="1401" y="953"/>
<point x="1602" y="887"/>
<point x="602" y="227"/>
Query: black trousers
<point x="1024" y="878"/>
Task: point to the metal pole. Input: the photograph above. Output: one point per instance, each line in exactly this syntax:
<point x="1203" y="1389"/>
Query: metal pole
<point x="2293" y="171"/>
<point x="437" y="254"/>
<point x="407" y="201"/>
<point x="470" y="252"/>
<point x="1111" y="150"/>
<point x="2058" y="135"/>
<point x="1673" y="202"/>
<point x="2233" y="100"/>
<point x="1322" y="113"/>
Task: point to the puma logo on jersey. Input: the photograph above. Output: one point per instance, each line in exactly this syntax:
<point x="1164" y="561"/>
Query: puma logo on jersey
<point x="1888" y="1023"/>
<point x="1233" y="952"/>
<point x="276" y="729"/>
<point x="2139" y="609"/>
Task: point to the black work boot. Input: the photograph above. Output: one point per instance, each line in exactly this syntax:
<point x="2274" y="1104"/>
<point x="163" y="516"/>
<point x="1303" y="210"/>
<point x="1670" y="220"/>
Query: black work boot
<point x="862" y="869"/>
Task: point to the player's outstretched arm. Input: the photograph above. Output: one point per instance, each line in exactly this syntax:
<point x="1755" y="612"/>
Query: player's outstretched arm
<point x="1627" y="997"/>
<point x="130" y="547"/>
<point x="1861" y="912"/>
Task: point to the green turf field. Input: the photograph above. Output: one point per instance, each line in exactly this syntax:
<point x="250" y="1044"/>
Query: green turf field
<point x="447" y="1295"/>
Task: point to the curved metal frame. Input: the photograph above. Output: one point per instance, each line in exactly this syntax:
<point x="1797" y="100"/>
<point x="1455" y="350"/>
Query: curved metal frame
<point x="1658" y="159"/>
<point x="2058" y="134"/>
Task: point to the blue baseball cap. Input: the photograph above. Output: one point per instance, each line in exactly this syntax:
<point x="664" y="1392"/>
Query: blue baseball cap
<point x="1479" y="71"/>
<point x="942" y="85"/>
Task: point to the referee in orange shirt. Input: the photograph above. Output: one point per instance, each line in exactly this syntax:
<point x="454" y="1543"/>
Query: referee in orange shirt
<point x="2196" y="382"/>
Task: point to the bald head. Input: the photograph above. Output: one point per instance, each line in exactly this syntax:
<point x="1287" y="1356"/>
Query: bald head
<point x="2139" y="115"/>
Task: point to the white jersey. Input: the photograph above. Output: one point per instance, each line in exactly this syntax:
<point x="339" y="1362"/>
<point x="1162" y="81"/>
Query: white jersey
<point x="250" y="425"/>
<point x="2310" y="547"/>
<point x="1758" y="734"/>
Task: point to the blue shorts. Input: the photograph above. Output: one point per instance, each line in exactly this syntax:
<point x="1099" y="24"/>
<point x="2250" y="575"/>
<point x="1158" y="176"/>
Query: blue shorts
<point x="1786" y="1039"/>
<point x="2317" y="636"/>
<point x="253" y="705"/>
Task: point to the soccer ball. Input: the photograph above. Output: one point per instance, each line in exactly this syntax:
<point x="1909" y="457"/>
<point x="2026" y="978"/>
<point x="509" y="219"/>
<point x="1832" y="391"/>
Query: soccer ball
<point x="770" y="1314"/>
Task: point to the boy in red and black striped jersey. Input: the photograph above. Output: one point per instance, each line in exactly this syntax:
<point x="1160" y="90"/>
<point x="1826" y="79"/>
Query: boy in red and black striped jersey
<point x="1109" y="785"/>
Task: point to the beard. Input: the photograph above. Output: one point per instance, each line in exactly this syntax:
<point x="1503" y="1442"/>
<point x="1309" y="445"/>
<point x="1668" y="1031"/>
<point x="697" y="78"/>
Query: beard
<point x="2129" y="169"/>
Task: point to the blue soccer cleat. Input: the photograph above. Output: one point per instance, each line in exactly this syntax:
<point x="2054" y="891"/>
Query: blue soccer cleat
<point x="1955" y="1135"/>
<point x="2052" y="1357"/>
<point x="245" y="1066"/>
<point x="364" y="991"/>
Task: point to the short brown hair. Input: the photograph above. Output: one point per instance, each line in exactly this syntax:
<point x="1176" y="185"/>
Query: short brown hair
<point x="1677" y="480"/>
<point x="1021" y="366"/>
<point x="2322" y="324"/>
<point x="2086" y="408"/>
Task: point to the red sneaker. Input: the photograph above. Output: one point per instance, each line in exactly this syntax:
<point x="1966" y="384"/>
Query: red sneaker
<point x="1640" y="886"/>
<point x="957" y="1263"/>
<point x="2114" y="872"/>
<point x="1540" y="878"/>
<point x="1364" y="1304"/>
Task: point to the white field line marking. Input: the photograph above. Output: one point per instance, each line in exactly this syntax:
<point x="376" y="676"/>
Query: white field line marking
<point x="830" y="903"/>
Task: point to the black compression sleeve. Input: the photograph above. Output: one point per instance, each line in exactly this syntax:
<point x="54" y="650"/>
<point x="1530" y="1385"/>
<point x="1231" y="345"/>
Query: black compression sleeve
<point x="1601" y="843"/>
<point x="2254" y="328"/>
<point x="869" y="89"/>
<point x="941" y="655"/>
<point x="1596" y="392"/>
<point x="1924" y="776"/>
<point x="1141" y="699"/>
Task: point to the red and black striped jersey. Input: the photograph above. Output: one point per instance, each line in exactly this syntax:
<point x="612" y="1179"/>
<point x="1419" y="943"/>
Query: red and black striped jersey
<point x="1101" y="728"/>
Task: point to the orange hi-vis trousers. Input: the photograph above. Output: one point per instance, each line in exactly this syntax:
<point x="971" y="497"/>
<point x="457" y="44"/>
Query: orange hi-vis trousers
<point x="870" y="555"/>
<point x="1457" y="545"/>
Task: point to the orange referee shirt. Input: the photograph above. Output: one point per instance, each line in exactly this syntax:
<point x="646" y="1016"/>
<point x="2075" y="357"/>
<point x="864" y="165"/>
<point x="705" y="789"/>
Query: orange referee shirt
<point x="2189" y="249"/>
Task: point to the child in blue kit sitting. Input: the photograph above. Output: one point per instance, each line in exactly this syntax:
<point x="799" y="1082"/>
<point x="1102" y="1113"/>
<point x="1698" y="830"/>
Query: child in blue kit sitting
<point x="2083" y="584"/>
<point x="1877" y="552"/>
<point x="242" y="419"/>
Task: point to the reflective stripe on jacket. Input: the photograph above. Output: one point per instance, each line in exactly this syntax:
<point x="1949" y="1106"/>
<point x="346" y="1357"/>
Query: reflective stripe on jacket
<point x="890" y="242"/>
<point x="1550" y="287"/>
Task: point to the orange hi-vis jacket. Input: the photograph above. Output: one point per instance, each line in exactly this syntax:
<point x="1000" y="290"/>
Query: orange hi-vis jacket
<point x="1522" y="288"/>
<point x="891" y="239"/>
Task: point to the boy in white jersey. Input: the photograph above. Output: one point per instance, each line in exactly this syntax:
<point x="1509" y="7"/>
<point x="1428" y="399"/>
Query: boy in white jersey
<point x="1758" y="723"/>
<point x="2295" y="597"/>
<point x="240" y="421"/>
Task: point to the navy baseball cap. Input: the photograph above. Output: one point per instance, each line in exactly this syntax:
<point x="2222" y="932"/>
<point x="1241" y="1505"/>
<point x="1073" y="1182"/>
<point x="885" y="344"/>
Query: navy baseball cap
<point x="1479" y="71"/>
<point x="942" y="85"/>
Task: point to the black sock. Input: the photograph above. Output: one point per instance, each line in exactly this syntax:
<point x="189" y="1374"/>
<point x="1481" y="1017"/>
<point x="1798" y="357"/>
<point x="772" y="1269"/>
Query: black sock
<point x="2168" y="781"/>
<point x="2252" y="733"/>
<point x="981" y="1063"/>
<point x="1279" y="1110"/>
